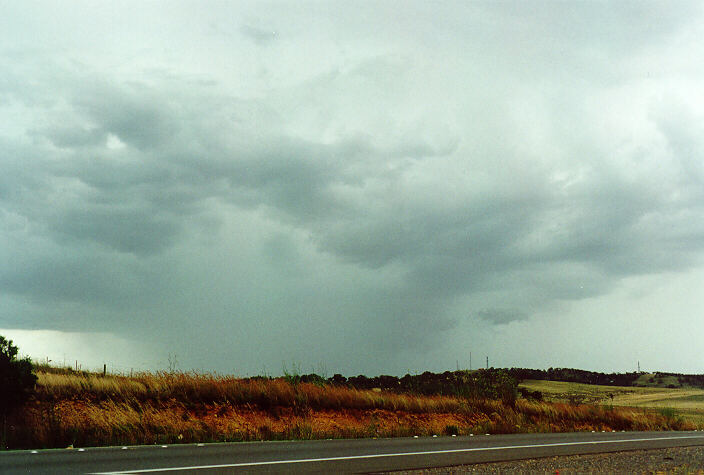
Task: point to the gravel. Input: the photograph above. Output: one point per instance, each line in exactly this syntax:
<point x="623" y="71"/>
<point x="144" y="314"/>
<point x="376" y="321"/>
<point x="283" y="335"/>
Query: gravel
<point x="679" y="460"/>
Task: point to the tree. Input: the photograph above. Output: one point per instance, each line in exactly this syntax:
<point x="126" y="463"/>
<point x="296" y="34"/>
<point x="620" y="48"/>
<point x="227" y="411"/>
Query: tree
<point x="17" y="381"/>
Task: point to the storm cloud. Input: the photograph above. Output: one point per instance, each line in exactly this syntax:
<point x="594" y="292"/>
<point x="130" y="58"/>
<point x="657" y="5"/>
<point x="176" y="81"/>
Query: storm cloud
<point x="347" y="187"/>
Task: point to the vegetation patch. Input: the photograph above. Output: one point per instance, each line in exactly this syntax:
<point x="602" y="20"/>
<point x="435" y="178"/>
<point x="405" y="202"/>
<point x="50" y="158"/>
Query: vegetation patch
<point x="85" y="409"/>
<point x="687" y="401"/>
<point x="78" y="408"/>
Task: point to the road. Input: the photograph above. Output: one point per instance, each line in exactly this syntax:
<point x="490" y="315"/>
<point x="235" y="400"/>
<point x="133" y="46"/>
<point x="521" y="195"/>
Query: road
<point x="333" y="456"/>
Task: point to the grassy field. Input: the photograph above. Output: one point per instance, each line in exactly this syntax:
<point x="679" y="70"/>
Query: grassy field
<point x="87" y="409"/>
<point x="686" y="402"/>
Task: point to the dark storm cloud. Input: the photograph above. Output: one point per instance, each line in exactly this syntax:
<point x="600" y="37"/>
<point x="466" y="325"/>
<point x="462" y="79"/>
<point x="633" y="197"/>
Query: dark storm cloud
<point x="132" y="113"/>
<point x="137" y="231"/>
<point x="88" y="278"/>
<point x="137" y="199"/>
<point x="365" y="194"/>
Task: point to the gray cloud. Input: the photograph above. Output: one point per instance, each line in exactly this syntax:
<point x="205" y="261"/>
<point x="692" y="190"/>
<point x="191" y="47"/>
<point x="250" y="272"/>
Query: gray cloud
<point x="131" y="113"/>
<point x="501" y="316"/>
<point x="73" y="136"/>
<point x="357" y="206"/>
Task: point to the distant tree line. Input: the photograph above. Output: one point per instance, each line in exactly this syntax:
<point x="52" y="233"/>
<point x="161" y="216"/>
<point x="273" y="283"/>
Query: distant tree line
<point x="694" y="380"/>
<point x="492" y="383"/>
<point x="571" y="375"/>
<point x="489" y="384"/>
<point x="481" y="382"/>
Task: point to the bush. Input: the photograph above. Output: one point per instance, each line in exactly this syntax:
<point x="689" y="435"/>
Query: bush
<point x="17" y="378"/>
<point x="17" y="381"/>
<point x="528" y="394"/>
<point x="490" y="384"/>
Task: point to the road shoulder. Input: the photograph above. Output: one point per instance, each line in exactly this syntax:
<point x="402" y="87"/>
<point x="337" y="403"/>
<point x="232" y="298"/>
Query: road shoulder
<point x="671" y="460"/>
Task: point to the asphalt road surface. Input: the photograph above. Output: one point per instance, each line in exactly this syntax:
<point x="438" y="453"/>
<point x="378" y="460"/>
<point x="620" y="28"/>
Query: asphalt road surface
<point x="333" y="456"/>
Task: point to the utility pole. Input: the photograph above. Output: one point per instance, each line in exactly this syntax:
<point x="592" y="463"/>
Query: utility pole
<point x="470" y="361"/>
<point x="487" y="362"/>
<point x="639" y="366"/>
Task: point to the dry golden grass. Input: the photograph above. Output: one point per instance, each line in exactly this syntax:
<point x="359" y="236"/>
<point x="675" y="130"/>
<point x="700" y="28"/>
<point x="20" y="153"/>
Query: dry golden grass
<point x="88" y="409"/>
<point x="199" y="388"/>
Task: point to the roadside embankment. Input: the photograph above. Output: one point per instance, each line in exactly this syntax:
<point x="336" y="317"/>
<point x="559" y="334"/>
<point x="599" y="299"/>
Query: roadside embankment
<point x="95" y="410"/>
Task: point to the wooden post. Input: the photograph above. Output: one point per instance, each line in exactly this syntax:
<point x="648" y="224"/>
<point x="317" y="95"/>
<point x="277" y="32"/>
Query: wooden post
<point x="105" y="368"/>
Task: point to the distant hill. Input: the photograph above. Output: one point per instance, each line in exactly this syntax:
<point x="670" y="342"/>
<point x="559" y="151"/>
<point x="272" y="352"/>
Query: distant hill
<point x="457" y="382"/>
<point x="571" y="375"/>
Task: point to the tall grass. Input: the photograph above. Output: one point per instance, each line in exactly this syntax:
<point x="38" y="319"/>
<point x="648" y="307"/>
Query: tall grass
<point x="89" y="409"/>
<point x="203" y="388"/>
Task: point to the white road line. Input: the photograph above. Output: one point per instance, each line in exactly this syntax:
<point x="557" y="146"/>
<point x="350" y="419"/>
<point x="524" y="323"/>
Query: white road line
<point x="370" y="456"/>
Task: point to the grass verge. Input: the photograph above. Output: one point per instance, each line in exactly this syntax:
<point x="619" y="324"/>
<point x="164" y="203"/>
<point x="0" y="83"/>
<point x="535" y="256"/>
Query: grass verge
<point x="91" y="410"/>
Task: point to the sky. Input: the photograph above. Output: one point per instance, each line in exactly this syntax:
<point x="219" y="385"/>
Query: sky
<point x="353" y="187"/>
